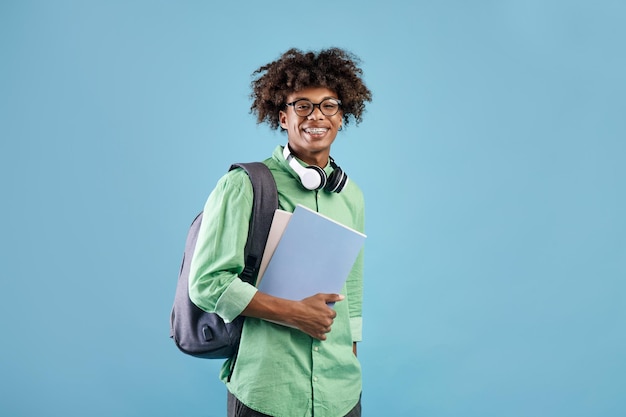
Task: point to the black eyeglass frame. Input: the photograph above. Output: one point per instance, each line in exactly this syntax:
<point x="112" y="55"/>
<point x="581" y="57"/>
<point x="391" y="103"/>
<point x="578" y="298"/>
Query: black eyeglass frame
<point x="314" y="105"/>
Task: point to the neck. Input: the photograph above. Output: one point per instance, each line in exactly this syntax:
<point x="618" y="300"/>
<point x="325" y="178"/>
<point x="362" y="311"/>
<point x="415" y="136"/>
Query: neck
<point x="319" y="159"/>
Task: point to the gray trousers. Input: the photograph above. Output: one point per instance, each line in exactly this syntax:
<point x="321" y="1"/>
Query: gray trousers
<point x="235" y="408"/>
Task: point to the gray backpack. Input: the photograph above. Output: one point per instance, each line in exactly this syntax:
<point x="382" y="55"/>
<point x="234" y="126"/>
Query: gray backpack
<point x="205" y="335"/>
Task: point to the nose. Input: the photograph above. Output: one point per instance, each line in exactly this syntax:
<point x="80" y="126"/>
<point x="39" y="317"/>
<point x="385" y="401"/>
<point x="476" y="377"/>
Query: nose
<point x="317" y="112"/>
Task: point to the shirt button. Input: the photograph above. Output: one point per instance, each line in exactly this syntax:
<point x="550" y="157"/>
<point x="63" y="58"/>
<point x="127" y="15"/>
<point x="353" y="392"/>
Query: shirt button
<point x="316" y="348"/>
<point x="314" y="379"/>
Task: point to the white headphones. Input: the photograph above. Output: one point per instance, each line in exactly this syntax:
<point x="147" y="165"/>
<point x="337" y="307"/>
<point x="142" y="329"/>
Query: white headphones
<point x="313" y="177"/>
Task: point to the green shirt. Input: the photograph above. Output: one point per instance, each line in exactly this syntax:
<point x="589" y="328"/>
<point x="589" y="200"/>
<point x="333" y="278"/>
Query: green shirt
<point x="279" y="371"/>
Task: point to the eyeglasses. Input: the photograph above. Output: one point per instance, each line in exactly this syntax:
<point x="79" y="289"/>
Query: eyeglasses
<point x="304" y="107"/>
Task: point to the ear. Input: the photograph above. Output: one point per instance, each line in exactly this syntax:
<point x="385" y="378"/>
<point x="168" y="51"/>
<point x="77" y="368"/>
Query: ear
<point x="282" y="118"/>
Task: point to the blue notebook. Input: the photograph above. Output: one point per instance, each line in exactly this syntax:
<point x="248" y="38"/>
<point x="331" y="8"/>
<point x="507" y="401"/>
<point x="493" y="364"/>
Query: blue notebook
<point x="314" y="255"/>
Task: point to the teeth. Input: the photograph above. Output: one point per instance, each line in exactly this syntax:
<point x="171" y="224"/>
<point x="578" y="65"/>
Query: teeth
<point x="316" y="130"/>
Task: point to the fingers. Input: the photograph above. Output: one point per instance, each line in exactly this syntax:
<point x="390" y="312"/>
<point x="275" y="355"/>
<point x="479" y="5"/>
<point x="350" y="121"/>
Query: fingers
<point x="320" y="314"/>
<point x="322" y="326"/>
<point x="324" y="330"/>
<point x="322" y="335"/>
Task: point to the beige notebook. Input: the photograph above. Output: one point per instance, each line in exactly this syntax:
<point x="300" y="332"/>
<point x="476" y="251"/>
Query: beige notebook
<point x="279" y="223"/>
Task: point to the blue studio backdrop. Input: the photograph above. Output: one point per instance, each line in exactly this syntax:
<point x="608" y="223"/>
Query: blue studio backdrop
<point x="492" y="159"/>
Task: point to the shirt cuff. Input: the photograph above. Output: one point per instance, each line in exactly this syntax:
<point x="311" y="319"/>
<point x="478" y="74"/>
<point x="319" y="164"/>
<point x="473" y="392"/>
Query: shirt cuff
<point x="356" y="326"/>
<point x="234" y="300"/>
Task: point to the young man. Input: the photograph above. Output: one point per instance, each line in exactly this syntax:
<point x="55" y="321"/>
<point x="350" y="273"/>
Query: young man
<point x="308" y="368"/>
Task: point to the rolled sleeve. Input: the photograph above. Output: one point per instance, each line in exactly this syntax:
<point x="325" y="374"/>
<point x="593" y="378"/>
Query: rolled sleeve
<point x="234" y="300"/>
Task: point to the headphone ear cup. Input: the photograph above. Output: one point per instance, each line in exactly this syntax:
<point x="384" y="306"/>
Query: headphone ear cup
<point x="313" y="178"/>
<point x="336" y="181"/>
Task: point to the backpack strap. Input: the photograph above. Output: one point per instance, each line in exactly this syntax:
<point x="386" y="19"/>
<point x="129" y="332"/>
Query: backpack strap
<point x="264" y="204"/>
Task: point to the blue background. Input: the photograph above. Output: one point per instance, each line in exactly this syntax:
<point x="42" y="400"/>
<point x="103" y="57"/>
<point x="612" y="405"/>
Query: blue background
<point x="492" y="159"/>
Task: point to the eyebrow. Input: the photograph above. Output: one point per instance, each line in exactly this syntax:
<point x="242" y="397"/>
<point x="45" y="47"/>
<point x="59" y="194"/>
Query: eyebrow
<point x="306" y="98"/>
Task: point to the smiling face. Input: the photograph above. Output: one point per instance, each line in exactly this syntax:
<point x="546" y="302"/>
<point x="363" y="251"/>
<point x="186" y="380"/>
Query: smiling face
<point x="310" y="137"/>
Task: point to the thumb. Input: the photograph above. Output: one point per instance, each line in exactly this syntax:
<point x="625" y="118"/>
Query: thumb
<point x="333" y="298"/>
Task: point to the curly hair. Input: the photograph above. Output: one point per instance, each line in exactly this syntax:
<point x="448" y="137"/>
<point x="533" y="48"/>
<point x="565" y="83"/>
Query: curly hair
<point x="333" y="68"/>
